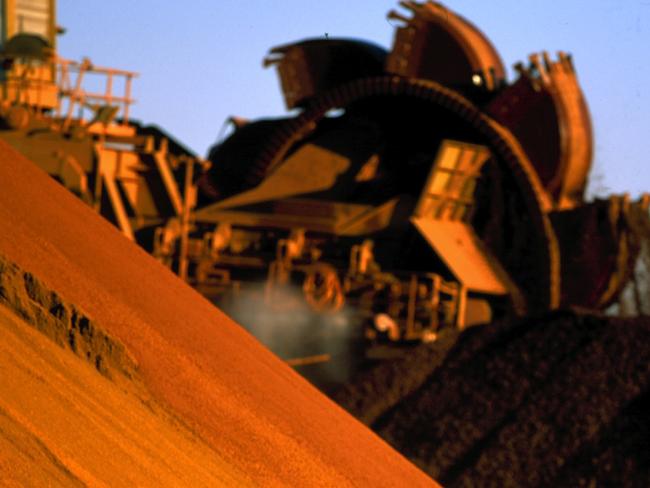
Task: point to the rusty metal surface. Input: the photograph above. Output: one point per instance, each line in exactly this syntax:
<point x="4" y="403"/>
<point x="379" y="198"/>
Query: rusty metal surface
<point x="439" y="45"/>
<point x="546" y="111"/>
<point x="310" y="67"/>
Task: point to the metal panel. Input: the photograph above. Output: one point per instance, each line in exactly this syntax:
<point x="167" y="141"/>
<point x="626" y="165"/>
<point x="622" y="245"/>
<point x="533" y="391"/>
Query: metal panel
<point x="463" y="253"/>
<point x="448" y="192"/>
<point x="311" y="215"/>
<point x="34" y="17"/>
<point x="310" y="169"/>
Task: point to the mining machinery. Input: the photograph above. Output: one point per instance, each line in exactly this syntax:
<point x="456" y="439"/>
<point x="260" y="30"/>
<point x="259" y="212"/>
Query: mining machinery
<point x="138" y="177"/>
<point x="421" y="183"/>
<point x="417" y="185"/>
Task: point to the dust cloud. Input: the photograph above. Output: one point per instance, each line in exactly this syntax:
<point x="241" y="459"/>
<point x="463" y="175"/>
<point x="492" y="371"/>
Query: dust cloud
<point x="286" y="324"/>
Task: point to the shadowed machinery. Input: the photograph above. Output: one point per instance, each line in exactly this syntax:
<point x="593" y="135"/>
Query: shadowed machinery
<point x="416" y="184"/>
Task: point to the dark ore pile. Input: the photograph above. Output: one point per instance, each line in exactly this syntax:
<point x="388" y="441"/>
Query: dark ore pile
<point x="560" y="400"/>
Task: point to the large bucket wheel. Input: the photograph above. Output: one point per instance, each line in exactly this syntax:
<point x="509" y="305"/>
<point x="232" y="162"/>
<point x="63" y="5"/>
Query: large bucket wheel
<point x="542" y="289"/>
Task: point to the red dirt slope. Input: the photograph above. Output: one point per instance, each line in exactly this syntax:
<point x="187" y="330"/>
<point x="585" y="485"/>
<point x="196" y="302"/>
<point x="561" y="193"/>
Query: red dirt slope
<point x="260" y="416"/>
<point x="92" y="431"/>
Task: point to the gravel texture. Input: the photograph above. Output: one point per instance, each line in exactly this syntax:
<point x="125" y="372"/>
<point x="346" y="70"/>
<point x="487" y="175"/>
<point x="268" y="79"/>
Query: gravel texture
<point x="559" y="400"/>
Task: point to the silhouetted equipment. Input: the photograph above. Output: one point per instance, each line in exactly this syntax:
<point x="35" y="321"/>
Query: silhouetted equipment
<point x="416" y="184"/>
<point x="454" y="185"/>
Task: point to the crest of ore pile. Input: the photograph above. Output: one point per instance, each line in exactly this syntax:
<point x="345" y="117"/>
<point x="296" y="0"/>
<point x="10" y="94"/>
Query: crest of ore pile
<point x="560" y="400"/>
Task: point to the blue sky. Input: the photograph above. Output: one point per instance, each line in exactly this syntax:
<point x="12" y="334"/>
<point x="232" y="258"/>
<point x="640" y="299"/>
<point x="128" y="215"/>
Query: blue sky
<point x="200" y="61"/>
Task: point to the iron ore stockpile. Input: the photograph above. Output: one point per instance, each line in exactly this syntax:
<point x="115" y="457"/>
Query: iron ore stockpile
<point x="558" y="400"/>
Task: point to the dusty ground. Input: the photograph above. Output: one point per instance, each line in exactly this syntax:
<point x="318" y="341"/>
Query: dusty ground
<point x="560" y="400"/>
<point x="265" y="423"/>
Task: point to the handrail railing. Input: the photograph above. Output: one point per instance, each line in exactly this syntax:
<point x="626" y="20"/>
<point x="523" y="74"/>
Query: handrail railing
<point x="79" y="98"/>
<point x="29" y="81"/>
